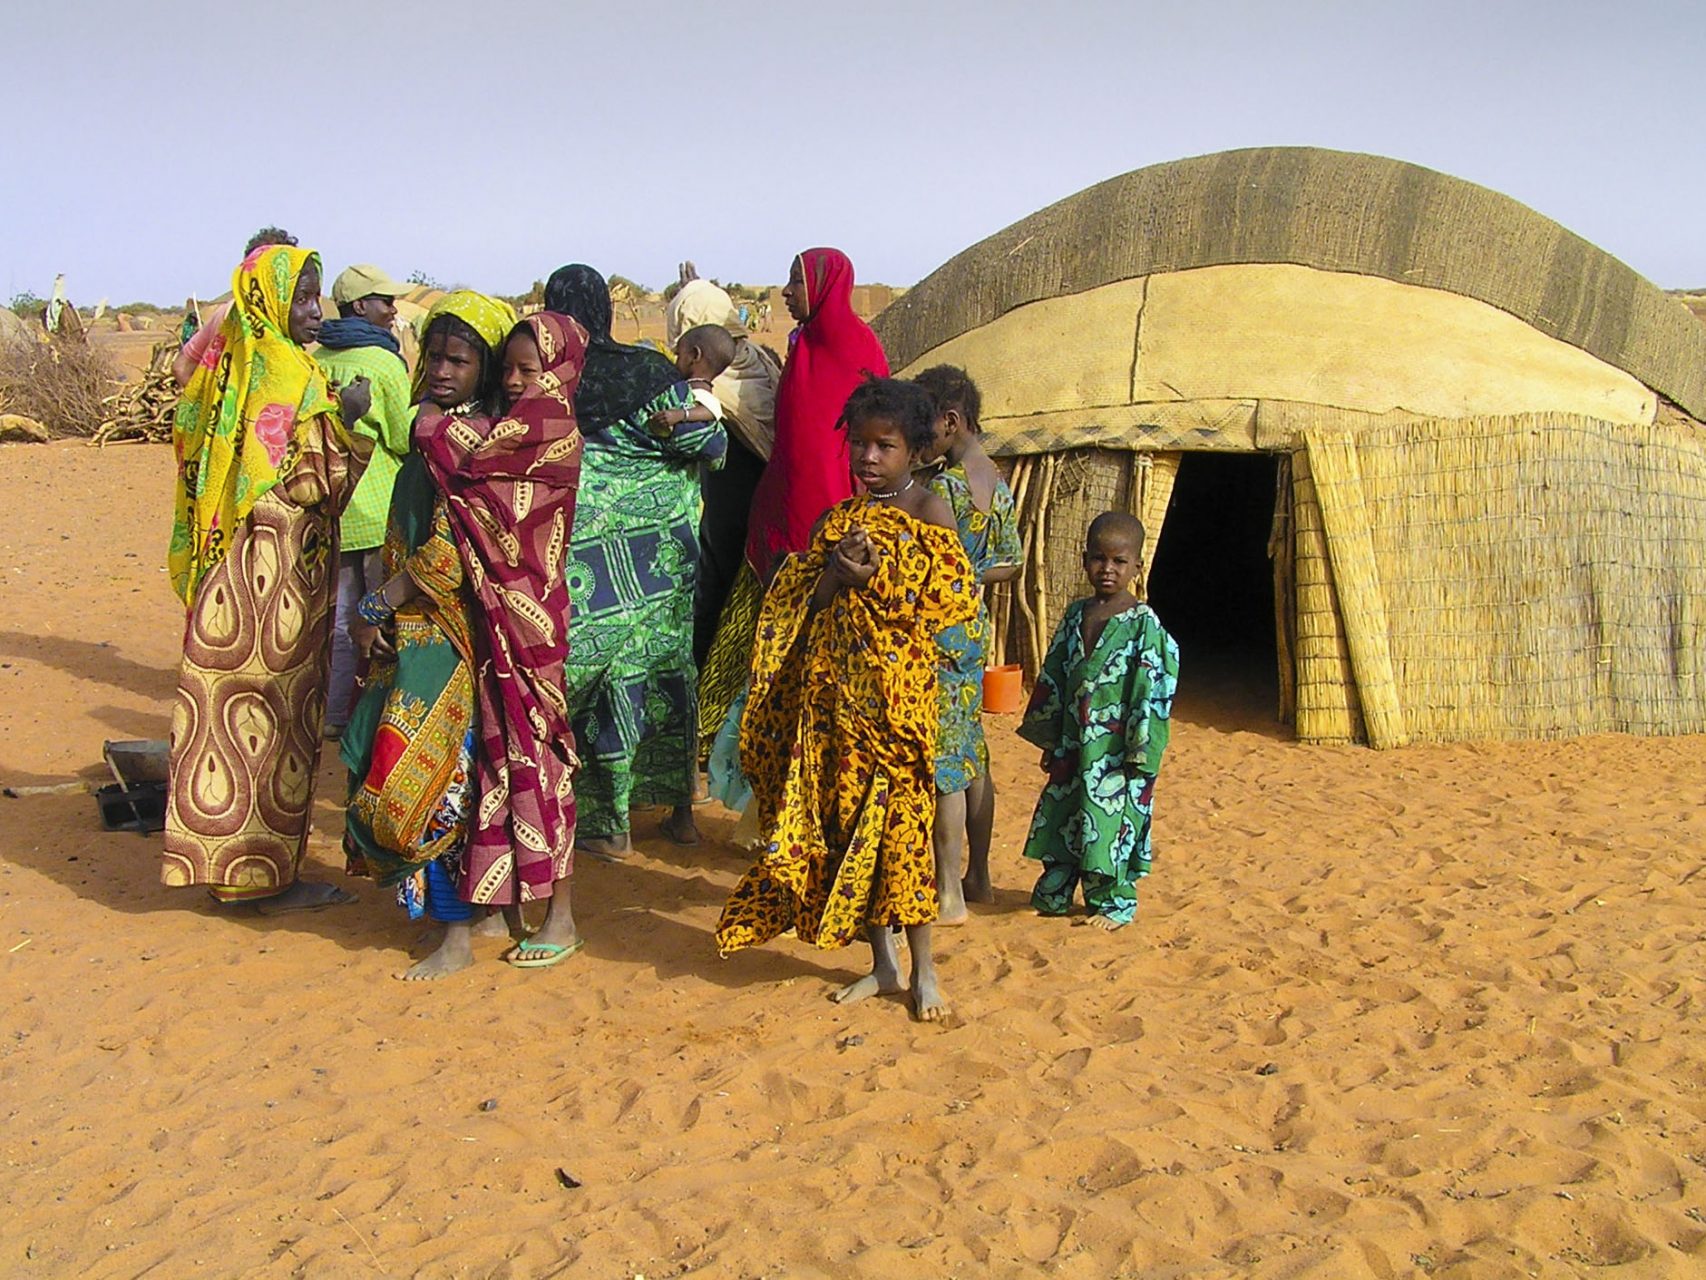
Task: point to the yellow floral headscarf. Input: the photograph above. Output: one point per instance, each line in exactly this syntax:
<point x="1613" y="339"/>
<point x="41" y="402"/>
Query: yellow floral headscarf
<point x="236" y="429"/>
<point x="491" y="318"/>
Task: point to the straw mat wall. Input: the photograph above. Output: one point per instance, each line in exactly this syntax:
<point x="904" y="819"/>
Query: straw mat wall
<point x="1518" y="577"/>
<point x="1334" y="211"/>
<point x="1057" y="495"/>
<point x="1327" y="706"/>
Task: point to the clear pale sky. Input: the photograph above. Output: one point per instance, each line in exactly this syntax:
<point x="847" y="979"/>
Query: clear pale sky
<point x="488" y="143"/>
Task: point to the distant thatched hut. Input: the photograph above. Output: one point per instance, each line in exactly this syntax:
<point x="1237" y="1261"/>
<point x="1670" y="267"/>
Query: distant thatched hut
<point x="1436" y="458"/>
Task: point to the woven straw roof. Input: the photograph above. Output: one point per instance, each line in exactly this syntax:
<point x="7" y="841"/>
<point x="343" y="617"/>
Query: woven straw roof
<point x="1330" y="210"/>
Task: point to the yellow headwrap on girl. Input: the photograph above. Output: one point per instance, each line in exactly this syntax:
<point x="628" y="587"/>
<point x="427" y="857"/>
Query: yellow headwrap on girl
<point x="491" y="318"/>
<point x="236" y="429"/>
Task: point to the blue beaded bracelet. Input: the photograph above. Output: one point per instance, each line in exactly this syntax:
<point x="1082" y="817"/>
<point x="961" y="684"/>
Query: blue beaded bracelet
<point x="375" y="609"/>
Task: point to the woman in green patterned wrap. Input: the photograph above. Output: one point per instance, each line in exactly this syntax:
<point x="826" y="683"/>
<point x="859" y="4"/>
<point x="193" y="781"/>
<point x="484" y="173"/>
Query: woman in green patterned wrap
<point x="633" y="564"/>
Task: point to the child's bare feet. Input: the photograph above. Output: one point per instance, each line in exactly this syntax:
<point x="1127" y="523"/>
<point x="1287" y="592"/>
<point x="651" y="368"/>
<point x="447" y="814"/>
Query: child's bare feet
<point x="927" y="1002"/>
<point x="1105" y="923"/>
<point x="884" y="978"/>
<point x="680" y="827"/>
<point x="492" y="925"/>
<point x="454" y="954"/>
<point x="870" y="985"/>
<point x="977" y="888"/>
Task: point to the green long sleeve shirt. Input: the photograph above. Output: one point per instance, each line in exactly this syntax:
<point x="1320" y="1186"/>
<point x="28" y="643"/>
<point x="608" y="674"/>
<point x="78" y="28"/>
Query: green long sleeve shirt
<point x="388" y="423"/>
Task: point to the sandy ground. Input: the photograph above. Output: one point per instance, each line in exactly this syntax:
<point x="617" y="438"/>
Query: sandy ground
<point x="1433" y="1011"/>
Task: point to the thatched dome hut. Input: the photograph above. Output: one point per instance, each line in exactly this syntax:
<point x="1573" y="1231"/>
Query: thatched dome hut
<point x="1434" y="458"/>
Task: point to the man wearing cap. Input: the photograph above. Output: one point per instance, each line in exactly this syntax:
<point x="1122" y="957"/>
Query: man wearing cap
<point x="360" y="342"/>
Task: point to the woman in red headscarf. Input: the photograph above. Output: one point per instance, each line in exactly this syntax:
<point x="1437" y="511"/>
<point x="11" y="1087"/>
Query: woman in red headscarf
<point x="829" y="354"/>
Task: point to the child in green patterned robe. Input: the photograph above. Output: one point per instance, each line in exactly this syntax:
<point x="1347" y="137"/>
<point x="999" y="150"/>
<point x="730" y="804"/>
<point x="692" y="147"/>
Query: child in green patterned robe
<point x="1102" y="713"/>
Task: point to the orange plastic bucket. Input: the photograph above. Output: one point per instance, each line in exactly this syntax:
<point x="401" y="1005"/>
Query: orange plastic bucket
<point x="1003" y="690"/>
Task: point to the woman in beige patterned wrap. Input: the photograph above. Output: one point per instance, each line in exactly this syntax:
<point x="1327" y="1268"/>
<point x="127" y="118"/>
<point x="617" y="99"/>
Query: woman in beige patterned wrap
<point x="265" y="467"/>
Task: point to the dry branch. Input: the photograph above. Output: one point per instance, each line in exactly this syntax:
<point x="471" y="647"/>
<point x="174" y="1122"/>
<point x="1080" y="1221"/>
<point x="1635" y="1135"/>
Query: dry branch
<point x="143" y="410"/>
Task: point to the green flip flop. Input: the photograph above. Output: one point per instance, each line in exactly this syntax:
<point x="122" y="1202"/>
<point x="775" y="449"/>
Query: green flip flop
<point x="528" y="954"/>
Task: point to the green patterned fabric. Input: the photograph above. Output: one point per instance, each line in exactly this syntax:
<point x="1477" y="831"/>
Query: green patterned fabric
<point x="633" y="563"/>
<point x="1103" y="720"/>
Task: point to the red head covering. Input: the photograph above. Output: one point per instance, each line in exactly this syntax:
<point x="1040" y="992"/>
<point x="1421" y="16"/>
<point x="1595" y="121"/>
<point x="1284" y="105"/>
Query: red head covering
<point x="509" y="487"/>
<point x="831" y="353"/>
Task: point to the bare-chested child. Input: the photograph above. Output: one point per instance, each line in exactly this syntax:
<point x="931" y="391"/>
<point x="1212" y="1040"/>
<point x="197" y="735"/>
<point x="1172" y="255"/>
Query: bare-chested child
<point x="701" y="355"/>
<point x="1102" y="713"/>
<point x="839" y="735"/>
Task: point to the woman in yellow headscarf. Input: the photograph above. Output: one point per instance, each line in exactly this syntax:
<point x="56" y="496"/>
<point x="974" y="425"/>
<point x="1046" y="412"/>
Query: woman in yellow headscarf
<point x="265" y="466"/>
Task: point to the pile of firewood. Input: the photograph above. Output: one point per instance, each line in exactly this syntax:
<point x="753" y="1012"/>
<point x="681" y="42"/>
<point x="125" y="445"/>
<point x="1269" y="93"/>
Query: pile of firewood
<point x="143" y="410"/>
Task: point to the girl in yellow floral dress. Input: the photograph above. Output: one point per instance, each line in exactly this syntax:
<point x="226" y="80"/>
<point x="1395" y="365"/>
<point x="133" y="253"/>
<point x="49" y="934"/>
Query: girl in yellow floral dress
<point x="839" y="734"/>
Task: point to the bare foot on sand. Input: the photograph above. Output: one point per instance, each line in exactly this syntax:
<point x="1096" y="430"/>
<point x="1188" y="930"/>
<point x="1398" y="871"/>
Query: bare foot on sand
<point x="680" y="827"/>
<point x="927" y="1002"/>
<point x="454" y="954"/>
<point x="870" y="985"/>
<point x="884" y="978"/>
<point x="605" y="848"/>
<point x="977" y="888"/>
<point x="304" y="895"/>
<point x="1104" y="923"/>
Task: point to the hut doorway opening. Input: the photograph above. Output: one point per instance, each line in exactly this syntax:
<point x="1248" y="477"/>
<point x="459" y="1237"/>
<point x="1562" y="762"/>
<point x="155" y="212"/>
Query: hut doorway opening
<point x="1212" y="583"/>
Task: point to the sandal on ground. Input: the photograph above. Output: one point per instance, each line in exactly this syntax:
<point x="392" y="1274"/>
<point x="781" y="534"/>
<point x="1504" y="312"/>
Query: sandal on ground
<point x="529" y="954"/>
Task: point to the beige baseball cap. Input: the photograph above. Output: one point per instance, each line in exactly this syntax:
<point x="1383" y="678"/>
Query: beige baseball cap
<point x="364" y="280"/>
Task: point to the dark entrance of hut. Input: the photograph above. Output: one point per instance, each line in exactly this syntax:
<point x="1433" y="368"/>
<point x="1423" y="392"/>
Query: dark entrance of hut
<point x="1212" y="584"/>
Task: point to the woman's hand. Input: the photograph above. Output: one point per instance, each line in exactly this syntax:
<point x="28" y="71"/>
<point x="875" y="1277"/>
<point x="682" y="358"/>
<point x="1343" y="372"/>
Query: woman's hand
<point x="371" y="641"/>
<point x="356" y="399"/>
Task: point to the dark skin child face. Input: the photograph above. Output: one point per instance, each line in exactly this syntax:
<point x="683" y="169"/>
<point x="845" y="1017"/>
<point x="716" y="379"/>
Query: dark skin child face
<point x="305" y="307"/>
<point x="522" y="365"/>
<point x="452" y="370"/>
<point x="794" y="293"/>
<point x="879" y="454"/>
<point x="1109" y="563"/>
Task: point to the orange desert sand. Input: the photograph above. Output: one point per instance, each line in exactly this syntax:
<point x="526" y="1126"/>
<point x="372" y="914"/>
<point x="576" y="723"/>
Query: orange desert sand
<point x="1430" y="1011"/>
